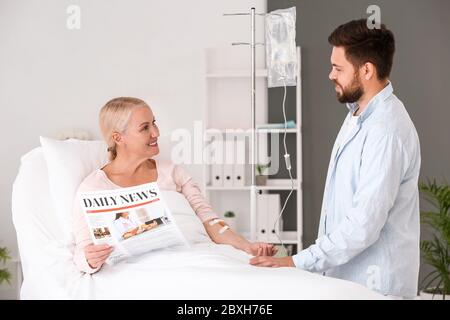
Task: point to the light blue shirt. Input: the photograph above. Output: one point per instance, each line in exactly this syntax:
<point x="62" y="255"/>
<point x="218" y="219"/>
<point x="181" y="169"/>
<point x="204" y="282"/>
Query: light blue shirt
<point x="369" y="227"/>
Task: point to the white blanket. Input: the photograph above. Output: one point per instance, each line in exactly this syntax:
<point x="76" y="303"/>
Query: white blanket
<point x="206" y="271"/>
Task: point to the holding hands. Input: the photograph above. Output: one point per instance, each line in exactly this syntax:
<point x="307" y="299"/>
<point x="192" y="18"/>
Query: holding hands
<point x="263" y="256"/>
<point x="260" y="249"/>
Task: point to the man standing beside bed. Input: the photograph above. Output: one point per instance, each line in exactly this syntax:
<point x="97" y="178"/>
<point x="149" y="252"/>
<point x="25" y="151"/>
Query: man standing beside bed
<point x="129" y="128"/>
<point x="369" y="227"/>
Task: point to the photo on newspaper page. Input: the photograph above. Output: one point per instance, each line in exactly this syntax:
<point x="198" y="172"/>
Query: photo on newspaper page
<point x="133" y="220"/>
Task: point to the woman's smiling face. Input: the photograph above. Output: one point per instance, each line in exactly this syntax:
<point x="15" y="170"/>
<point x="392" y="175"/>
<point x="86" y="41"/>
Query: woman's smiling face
<point x="141" y="135"/>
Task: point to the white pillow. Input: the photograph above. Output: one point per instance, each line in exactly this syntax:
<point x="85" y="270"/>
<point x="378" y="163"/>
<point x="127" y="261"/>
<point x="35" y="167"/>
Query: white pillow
<point x="185" y="218"/>
<point x="68" y="163"/>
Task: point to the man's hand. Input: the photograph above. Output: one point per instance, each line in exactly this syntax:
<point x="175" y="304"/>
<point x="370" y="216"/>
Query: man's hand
<point x="272" y="262"/>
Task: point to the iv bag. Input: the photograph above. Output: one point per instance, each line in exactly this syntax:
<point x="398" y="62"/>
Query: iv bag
<point x="281" y="57"/>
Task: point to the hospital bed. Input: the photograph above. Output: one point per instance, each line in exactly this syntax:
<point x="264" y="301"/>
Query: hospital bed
<point x="205" y="271"/>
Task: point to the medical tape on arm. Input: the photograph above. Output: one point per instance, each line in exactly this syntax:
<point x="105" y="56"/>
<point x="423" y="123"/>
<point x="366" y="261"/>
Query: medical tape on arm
<point x="221" y="222"/>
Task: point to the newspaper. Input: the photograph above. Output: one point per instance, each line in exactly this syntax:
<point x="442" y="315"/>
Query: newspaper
<point x="133" y="220"/>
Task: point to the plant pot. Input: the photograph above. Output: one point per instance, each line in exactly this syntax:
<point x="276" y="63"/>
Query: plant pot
<point x="231" y="222"/>
<point x="261" y="180"/>
<point x="427" y="295"/>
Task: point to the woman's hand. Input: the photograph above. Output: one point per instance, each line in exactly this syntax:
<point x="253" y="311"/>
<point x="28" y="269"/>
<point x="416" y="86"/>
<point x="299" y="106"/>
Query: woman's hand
<point x="260" y="249"/>
<point x="96" y="255"/>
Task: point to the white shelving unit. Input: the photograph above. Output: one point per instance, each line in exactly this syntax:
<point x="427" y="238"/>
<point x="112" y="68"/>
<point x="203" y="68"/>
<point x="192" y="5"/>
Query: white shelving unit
<point x="228" y="107"/>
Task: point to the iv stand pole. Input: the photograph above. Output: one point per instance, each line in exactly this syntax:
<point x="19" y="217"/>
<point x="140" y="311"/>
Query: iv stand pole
<point x="253" y="115"/>
<point x="253" y="138"/>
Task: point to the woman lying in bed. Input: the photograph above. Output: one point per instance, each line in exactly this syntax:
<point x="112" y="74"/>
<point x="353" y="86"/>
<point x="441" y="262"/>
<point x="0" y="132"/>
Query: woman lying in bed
<point x="129" y="128"/>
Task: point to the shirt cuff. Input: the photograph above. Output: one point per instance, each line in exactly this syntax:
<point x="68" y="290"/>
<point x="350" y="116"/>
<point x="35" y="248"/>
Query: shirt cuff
<point x="304" y="260"/>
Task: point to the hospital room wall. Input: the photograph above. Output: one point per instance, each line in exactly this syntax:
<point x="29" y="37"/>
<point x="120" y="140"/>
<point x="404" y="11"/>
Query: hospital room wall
<point x="53" y="78"/>
<point x="420" y="78"/>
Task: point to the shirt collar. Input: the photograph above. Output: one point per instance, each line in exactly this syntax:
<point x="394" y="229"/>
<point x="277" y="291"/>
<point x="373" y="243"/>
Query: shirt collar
<point x="380" y="96"/>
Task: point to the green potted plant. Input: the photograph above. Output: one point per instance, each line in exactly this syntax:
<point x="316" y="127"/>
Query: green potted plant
<point x="5" y="275"/>
<point x="436" y="253"/>
<point x="230" y="219"/>
<point x="261" y="177"/>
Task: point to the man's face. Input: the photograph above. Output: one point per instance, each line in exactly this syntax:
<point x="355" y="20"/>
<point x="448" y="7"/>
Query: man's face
<point x="347" y="81"/>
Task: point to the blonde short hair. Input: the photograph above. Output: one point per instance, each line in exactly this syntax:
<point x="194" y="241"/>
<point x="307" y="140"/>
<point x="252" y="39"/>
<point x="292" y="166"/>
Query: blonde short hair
<point x="114" y="117"/>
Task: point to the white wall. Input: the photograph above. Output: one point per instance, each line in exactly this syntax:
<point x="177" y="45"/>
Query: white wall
<point x="53" y="78"/>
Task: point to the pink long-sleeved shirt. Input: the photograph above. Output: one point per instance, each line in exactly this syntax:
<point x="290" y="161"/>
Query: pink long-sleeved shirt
<point x="170" y="177"/>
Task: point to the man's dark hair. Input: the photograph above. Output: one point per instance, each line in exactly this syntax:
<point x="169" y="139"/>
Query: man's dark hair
<point x="363" y="45"/>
